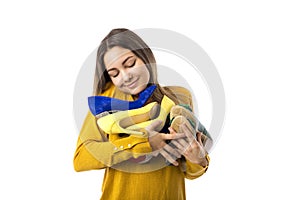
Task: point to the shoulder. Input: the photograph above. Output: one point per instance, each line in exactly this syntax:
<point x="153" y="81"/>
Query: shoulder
<point x="178" y="89"/>
<point x="182" y="94"/>
<point x="109" y="90"/>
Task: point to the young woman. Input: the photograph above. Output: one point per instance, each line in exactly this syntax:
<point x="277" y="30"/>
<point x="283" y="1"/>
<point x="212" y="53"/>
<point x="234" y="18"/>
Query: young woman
<point x="148" y="167"/>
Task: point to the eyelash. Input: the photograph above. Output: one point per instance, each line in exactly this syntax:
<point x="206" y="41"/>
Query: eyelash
<point x="114" y="75"/>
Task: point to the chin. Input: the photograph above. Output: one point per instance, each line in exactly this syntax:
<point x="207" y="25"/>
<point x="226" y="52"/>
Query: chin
<point x="137" y="90"/>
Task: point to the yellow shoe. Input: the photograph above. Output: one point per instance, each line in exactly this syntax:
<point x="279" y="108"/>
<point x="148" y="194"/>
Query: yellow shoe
<point x="136" y="119"/>
<point x="165" y="108"/>
<point x="111" y="124"/>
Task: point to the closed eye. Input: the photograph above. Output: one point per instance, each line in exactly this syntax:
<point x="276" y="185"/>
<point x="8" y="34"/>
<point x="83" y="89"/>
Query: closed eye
<point x="130" y="63"/>
<point x="113" y="73"/>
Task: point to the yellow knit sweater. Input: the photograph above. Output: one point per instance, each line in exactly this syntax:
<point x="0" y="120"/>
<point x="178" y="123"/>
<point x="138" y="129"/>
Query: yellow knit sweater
<point x="125" y="179"/>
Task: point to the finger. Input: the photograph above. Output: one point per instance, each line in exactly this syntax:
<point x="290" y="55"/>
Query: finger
<point x="179" y="147"/>
<point x="199" y="137"/>
<point x="188" y="133"/>
<point x="155" y="153"/>
<point x="168" y="157"/>
<point x="173" y="136"/>
<point x="176" y="144"/>
<point x="172" y="151"/>
<point x="185" y="145"/>
<point x="172" y="131"/>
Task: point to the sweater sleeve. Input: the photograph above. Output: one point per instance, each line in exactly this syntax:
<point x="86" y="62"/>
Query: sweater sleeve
<point x="192" y="170"/>
<point x="94" y="151"/>
<point x="195" y="170"/>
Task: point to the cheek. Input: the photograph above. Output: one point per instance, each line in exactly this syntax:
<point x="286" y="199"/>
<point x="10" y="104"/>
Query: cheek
<point x="116" y="81"/>
<point x="145" y="74"/>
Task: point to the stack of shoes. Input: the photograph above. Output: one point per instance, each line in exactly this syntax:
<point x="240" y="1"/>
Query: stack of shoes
<point x="133" y="122"/>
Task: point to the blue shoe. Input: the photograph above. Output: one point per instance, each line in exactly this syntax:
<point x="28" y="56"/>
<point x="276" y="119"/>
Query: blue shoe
<point x="99" y="104"/>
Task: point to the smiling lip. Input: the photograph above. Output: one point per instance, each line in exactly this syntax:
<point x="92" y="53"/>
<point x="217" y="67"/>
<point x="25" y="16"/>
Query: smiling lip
<point x="131" y="85"/>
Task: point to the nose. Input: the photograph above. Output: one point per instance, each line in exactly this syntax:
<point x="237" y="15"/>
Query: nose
<point x="126" y="76"/>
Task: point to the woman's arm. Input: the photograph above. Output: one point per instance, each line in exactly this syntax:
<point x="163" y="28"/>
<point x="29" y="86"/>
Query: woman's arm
<point x="94" y="151"/>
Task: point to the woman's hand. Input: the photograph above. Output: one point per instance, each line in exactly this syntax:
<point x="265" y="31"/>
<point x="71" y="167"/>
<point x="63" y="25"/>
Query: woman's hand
<point x="190" y="147"/>
<point x="158" y="143"/>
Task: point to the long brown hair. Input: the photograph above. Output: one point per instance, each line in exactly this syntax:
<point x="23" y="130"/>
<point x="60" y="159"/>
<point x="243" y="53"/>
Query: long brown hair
<point x="129" y="40"/>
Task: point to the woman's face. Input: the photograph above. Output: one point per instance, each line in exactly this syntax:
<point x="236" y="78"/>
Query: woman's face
<point x="127" y="71"/>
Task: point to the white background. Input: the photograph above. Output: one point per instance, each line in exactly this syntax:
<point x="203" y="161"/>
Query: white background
<point x="255" y="46"/>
